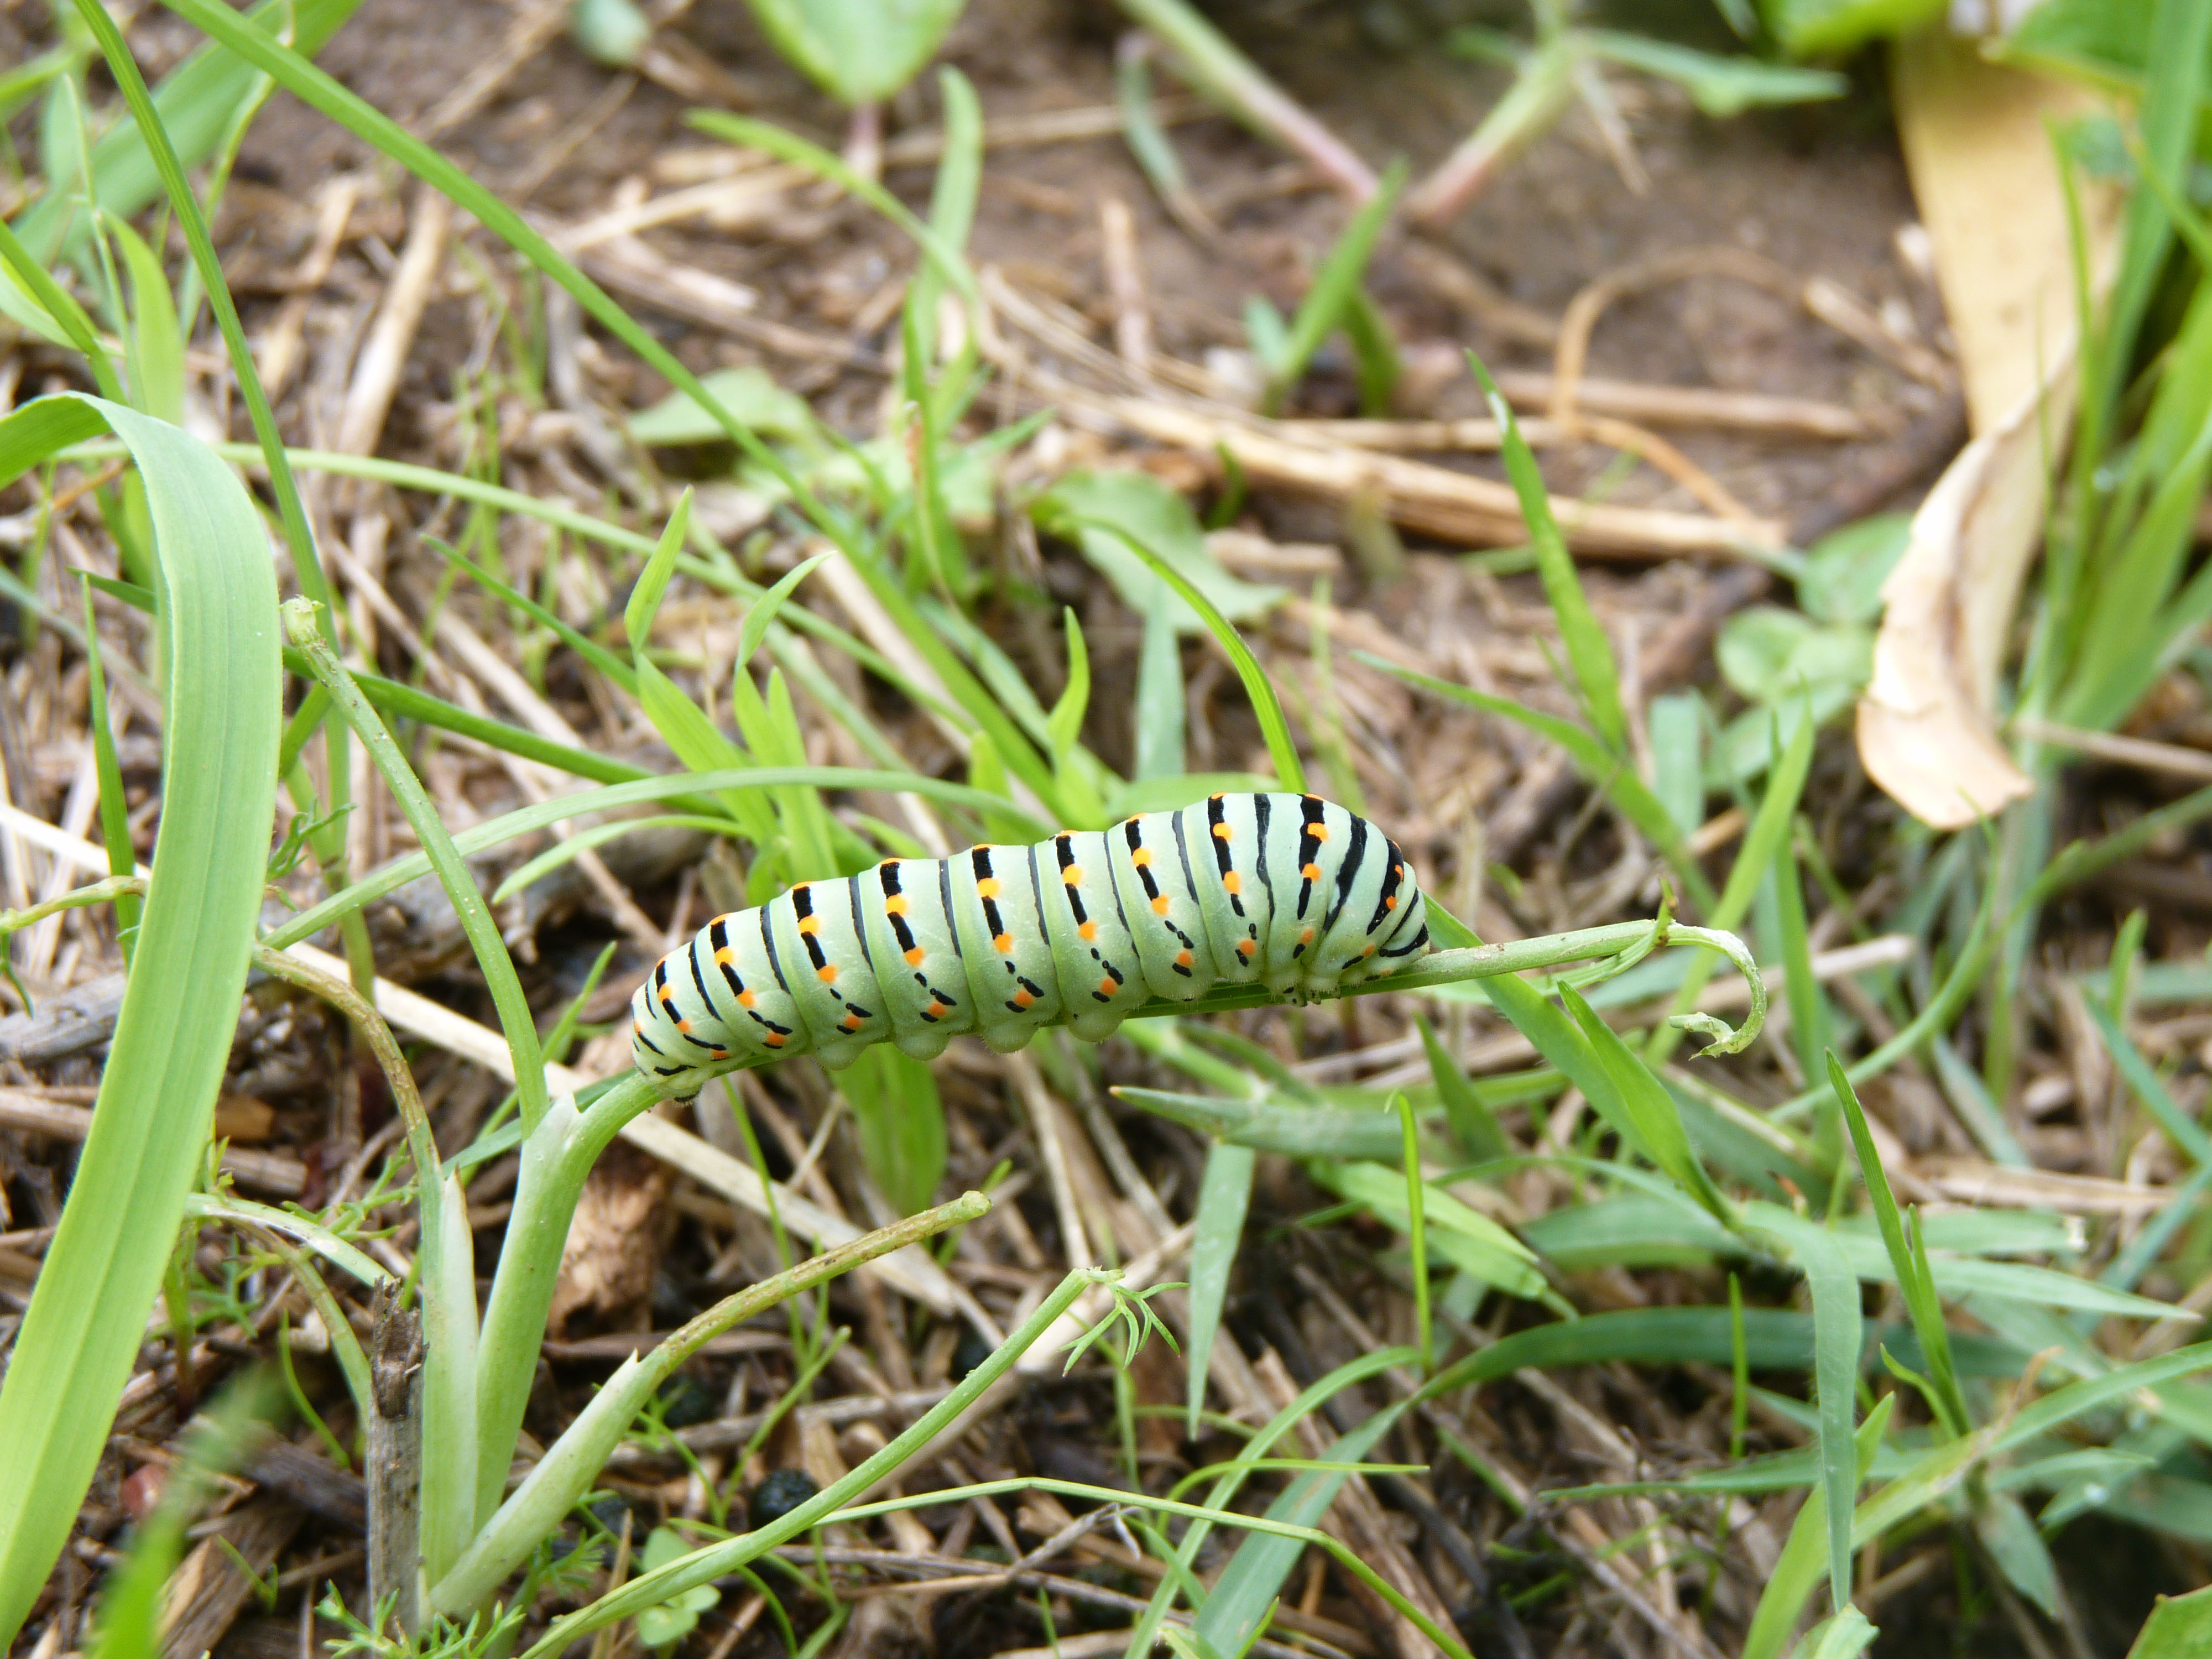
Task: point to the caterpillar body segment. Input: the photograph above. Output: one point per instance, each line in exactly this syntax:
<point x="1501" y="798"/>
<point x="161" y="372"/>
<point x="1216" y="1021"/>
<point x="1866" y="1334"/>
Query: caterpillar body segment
<point x="1286" y="891"/>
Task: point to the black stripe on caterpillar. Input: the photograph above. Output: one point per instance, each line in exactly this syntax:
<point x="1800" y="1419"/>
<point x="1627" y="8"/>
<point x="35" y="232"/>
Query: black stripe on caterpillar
<point x="1288" y="892"/>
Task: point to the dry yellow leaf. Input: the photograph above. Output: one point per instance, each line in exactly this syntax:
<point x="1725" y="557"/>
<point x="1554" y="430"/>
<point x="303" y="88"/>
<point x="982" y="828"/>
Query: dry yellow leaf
<point x="1977" y="139"/>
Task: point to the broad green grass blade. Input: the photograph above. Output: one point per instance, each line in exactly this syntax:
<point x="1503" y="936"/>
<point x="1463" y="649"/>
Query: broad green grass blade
<point x="1676" y="725"/>
<point x="1836" y="1331"/>
<point x="1224" y="1195"/>
<point x="1238" y="1605"/>
<point x="1909" y="1258"/>
<point x="450" y="1335"/>
<point x="114" y="808"/>
<point x="223" y="718"/>
<point x="1808" y="1549"/>
<point x="1589" y="655"/>
<point x="154" y="344"/>
<point x="900" y="1119"/>
<point x="1473" y="1123"/>
<point x="1658" y="1123"/>
<point x="2179" y="1627"/>
<point x="1845" y="1635"/>
<point x="1456" y="1232"/>
<point x="1158" y="705"/>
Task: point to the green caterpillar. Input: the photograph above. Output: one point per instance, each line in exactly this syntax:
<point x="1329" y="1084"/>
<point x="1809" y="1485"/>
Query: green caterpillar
<point x="1290" y="891"/>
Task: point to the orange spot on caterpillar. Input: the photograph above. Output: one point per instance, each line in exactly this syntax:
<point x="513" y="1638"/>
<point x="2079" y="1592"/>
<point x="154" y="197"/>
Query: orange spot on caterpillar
<point x="987" y="888"/>
<point x="1004" y="943"/>
<point x="914" y="957"/>
<point x="1022" y="998"/>
<point x="774" y="1039"/>
<point x="1232" y="883"/>
<point x="1306" y="936"/>
<point x="1369" y="951"/>
<point x="1182" y="958"/>
<point x="852" y="1022"/>
<point x="1222" y="830"/>
<point x="1141" y="857"/>
<point x="1160" y="905"/>
<point x="1391" y="903"/>
<point x="685" y="1026"/>
<point x="1318" y="831"/>
<point x="1311" y="873"/>
<point x="810" y="924"/>
<point x="1106" y="988"/>
<point x="1245" y="948"/>
<point x="826" y="973"/>
<point x="895" y="904"/>
<point x="746" y="999"/>
<point x="1087" y="930"/>
<point x="1072" y="876"/>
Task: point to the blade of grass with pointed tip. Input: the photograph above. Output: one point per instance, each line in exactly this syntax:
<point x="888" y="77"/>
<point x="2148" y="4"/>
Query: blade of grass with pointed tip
<point x="1335" y="287"/>
<point x="1627" y="791"/>
<point x="1905" y="1254"/>
<point x="223" y="720"/>
<point x="1225" y="1192"/>
<point x="1277" y="730"/>
<point x="1589" y="655"/>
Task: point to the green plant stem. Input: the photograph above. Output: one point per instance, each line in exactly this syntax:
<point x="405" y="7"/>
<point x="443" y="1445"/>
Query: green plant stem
<point x="566" y="1471"/>
<point x="545" y="1197"/>
<point x="372" y="1030"/>
<point x="1207" y="57"/>
<point x="514" y="1016"/>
